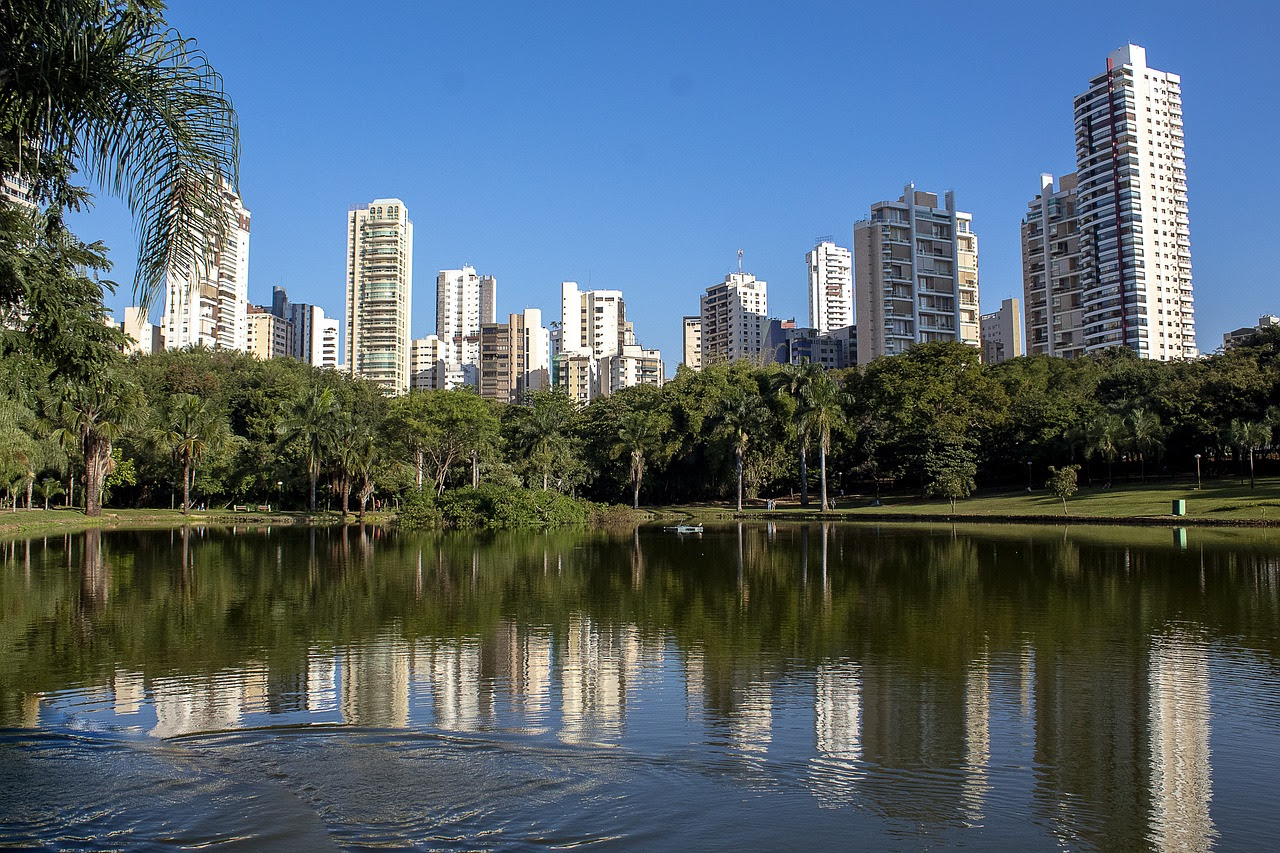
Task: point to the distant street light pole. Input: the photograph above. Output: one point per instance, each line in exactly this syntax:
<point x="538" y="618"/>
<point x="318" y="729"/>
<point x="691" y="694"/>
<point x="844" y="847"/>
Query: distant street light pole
<point x="1028" y="476"/>
<point x="1197" y="472"/>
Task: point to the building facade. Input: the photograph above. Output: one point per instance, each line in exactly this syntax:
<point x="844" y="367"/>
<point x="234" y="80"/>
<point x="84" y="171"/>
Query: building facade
<point x="1002" y="333"/>
<point x="315" y="336"/>
<point x="734" y="319"/>
<point x="1132" y="211"/>
<point x="144" y="337"/>
<point x="464" y="302"/>
<point x="428" y="367"/>
<point x="691" y="355"/>
<point x="1237" y="337"/>
<point x="787" y="343"/>
<point x="830" y="286"/>
<point x="208" y="306"/>
<point x="380" y="293"/>
<point x="268" y="336"/>
<point x="915" y="275"/>
<point x="1052" y="276"/>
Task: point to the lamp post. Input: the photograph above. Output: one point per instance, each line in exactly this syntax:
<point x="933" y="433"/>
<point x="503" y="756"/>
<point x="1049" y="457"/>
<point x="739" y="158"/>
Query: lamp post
<point x="1028" y="476"/>
<point x="1197" y="472"/>
<point x="279" y="495"/>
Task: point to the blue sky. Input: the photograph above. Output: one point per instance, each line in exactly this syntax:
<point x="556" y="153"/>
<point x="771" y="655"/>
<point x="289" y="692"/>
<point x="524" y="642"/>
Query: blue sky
<point x="639" y="147"/>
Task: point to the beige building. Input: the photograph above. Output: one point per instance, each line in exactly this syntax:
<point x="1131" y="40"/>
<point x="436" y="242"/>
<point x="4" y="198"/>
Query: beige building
<point x="734" y="318"/>
<point x="380" y="293"/>
<point x="692" y="354"/>
<point x="1001" y="333"/>
<point x="635" y="365"/>
<point x="144" y="337"/>
<point x="269" y="336"/>
<point x="513" y="357"/>
<point x="1052" y="282"/>
<point x="428" y="365"/>
<point x="915" y="274"/>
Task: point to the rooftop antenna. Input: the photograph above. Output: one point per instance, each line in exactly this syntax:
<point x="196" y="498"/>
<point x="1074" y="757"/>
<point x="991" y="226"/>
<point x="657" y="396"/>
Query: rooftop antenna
<point x="739" y="262"/>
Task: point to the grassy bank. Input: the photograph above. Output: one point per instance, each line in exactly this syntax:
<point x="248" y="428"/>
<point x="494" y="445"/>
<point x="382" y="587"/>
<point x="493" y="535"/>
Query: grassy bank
<point x="1219" y="502"/>
<point x="39" y="522"/>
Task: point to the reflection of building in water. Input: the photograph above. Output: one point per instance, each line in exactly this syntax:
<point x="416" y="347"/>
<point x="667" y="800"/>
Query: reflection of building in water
<point x="837" y="704"/>
<point x="1180" y="769"/>
<point x="597" y="666"/>
<point x="695" y="683"/>
<point x="322" y="689"/>
<point x="129" y="691"/>
<point x="453" y="668"/>
<point x="751" y="728"/>
<point x="375" y="684"/>
<point x="522" y="662"/>
<point x="207" y="703"/>
<point x="977" y="735"/>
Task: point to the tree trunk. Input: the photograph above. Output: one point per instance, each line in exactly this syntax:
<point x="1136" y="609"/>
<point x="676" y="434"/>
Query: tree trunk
<point x="475" y="469"/>
<point x="804" y="474"/>
<point x="315" y="475"/>
<point x="97" y="466"/>
<point x="546" y="475"/>
<point x="186" y="487"/>
<point x="738" y="454"/>
<point x="71" y="489"/>
<point x="30" y="485"/>
<point x="418" y="463"/>
<point x="1251" y="480"/>
<point x="346" y="496"/>
<point x="822" y="459"/>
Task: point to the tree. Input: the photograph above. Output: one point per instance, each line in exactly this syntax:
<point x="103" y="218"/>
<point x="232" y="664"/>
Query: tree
<point x="107" y="87"/>
<point x="740" y="415"/>
<point x="543" y="430"/>
<point x="90" y="418"/>
<point x="311" y="420"/>
<point x="1062" y="483"/>
<point x="49" y="488"/>
<point x="1250" y="435"/>
<point x="1146" y="436"/>
<point x="949" y="471"/>
<point x="353" y="452"/>
<point x="795" y="383"/>
<point x="822" y="411"/>
<point x="1104" y="436"/>
<point x="637" y="435"/>
<point x="192" y="428"/>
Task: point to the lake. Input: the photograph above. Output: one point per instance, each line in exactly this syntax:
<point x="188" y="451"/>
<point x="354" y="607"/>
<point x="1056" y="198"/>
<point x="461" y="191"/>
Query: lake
<point x="755" y="687"/>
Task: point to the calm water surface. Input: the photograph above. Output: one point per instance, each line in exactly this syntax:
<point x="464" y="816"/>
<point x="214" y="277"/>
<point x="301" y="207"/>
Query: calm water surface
<point x="758" y="687"/>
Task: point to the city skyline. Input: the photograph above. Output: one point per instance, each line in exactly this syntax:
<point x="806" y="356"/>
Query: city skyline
<point x="661" y="220"/>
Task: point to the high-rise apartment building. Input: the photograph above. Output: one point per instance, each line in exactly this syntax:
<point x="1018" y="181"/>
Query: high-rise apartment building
<point x="208" y="306"/>
<point x="514" y="357"/>
<point x="464" y="302"/>
<point x="144" y="337"/>
<point x="315" y="336"/>
<point x="593" y="321"/>
<point x="1052" y="283"/>
<point x="268" y="336"/>
<point x="428" y="368"/>
<point x="915" y="275"/>
<point x="380" y="293"/>
<point x="691" y="355"/>
<point x="1132" y="210"/>
<point x="1002" y="333"/>
<point x="734" y="319"/>
<point x="830" y="286"/>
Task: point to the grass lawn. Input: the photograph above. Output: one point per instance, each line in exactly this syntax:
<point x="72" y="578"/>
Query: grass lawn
<point x="38" y="521"/>
<point x="1219" y="500"/>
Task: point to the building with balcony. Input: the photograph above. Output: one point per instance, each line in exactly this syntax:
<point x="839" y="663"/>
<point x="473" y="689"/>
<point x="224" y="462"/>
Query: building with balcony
<point x="734" y="317"/>
<point x="691" y="355"/>
<point x="915" y="275"/>
<point x="514" y="357"/>
<point x="830" y="286"/>
<point x="380" y="293"/>
<point x="207" y="305"/>
<point x="787" y="343"/>
<point x="1052" y="276"/>
<point x="268" y="336"/>
<point x="1001" y="333"/>
<point x="465" y="301"/>
<point x="315" y="336"/>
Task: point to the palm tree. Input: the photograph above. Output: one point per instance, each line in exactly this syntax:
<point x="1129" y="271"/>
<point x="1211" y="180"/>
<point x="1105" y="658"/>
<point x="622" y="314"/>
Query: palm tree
<point x="108" y="88"/>
<point x="1105" y="434"/>
<point x="49" y="488"/>
<point x="740" y="415"/>
<point x="1145" y="435"/>
<point x="637" y="435"/>
<point x="192" y="429"/>
<point x="353" y="452"/>
<point x="823" y="410"/>
<point x="541" y="431"/>
<point x="795" y="382"/>
<point x="313" y="420"/>
<point x="91" y="417"/>
<point x="1250" y="435"/>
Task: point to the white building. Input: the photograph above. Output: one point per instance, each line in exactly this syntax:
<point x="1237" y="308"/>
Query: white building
<point x="428" y="368"/>
<point x="830" y="286"/>
<point x="1132" y="210"/>
<point x="916" y="275"/>
<point x="380" y="293"/>
<point x="1002" y="333"/>
<point x="734" y="319"/>
<point x="464" y="301"/>
<point x="208" y="306"/>
<point x="268" y="336"/>
<point x="144" y="338"/>
<point x="592" y="322"/>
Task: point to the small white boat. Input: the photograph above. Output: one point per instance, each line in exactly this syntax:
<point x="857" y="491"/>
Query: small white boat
<point x="685" y="528"/>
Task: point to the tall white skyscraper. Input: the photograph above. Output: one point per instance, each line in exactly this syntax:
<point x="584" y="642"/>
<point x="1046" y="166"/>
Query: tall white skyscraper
<point x="830" y="286"/>
<point x="592" y="322"/>
<point x="734" y="319"/>
<point x="209" y="306"/>
<point x="916" y="275"/>
<point x="1132" y="210"/>
<point x="380" y="293"/>
<point x="464" y="301"/>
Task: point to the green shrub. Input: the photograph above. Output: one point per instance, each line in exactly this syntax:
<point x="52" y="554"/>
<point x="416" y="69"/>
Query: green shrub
<point x="418" y="511"/>
<point x="493" y="505"/>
